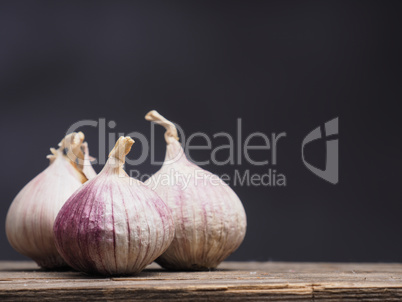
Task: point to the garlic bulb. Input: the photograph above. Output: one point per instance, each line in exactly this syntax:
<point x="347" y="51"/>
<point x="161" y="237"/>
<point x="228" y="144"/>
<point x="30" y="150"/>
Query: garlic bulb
<point x="29" y="222"/>
<point x="114" y="224"/>
<point x="210" y="219"/>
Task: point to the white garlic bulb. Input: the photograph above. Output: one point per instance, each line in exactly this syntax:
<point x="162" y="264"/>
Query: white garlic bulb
<point x="29" y="222"/>
<point x="209" y="217"/>
<point x="114" y="224"/>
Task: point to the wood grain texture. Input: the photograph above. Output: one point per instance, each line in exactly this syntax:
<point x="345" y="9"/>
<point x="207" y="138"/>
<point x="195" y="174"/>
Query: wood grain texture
<point x="242" y="281"/>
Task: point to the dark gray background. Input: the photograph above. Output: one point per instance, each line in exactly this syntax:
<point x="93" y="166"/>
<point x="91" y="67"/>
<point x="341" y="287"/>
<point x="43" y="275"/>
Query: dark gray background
<point x="281" y="66"/>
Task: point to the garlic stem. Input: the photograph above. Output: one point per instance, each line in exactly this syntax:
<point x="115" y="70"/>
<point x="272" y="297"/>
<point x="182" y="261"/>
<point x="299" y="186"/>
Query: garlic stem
<point x="171" y="130"/>
<point x="72" y="144"/>
<point x="87" y="168"/>
<point x="70" y="149"/>
<point x="121" y="149"/>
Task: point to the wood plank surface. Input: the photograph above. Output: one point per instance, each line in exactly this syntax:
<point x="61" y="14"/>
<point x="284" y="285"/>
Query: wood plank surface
<point x="242" y="281"/>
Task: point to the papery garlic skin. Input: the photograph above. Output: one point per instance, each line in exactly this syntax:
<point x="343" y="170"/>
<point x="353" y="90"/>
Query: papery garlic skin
<point x="113" y="225"/>
<point x="209" y="218"/>
<point x="29" y="222"/>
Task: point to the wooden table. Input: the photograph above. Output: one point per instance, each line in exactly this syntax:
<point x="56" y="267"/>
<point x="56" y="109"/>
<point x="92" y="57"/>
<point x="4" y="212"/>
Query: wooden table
<point x="243" y="281"/>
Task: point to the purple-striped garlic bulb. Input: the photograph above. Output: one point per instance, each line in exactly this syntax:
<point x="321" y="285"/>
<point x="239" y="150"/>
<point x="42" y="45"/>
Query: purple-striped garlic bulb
<point x="29" y="222"/>
<point x="114" y="224"/>
<point x="209" y="217"/>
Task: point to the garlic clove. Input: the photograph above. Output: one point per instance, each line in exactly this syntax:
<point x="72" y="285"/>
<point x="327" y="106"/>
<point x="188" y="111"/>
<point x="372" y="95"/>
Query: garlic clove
<point x="210" y="220"/>
<point x="29" y="222"/>
<point x="113" y="225"/>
